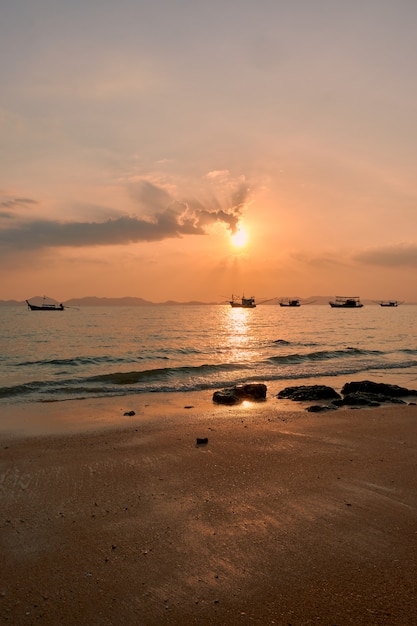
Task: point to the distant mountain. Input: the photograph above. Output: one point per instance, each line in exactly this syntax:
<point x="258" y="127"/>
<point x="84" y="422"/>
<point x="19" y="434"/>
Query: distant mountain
<point x="11" y="303"/>
<point x="195" y="302"/>
<point x="127" y="301"/>
<point x="95" y="301"/>
<point x="132" y="301"/>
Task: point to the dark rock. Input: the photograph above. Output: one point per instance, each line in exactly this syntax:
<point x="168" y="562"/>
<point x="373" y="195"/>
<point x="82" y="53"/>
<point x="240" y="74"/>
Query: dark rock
<point x="361" y="399"/>
<point x="254" y="391"/>
<point x="236" y="395"/>
<point x="368" y="386"/>
<point x="129" y="413"/>
<point x="309" y="393"/>
<point x="319" y="408"/>
<point x="226" y="396"/>
<point x="358" y="398"/>
<point x="202" y="441"/>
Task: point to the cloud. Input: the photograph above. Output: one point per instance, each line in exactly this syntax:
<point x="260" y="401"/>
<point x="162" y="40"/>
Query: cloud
<point x="161" y="217"/>
<point x="16" y="202"/>
<point x="150" y="197"/>
<point x="123" y="230"/>
<point x="175" y="221"/>
<point x="399" y="255"/>
<point x="154" y="199"/>
<point x="9" y="207"/>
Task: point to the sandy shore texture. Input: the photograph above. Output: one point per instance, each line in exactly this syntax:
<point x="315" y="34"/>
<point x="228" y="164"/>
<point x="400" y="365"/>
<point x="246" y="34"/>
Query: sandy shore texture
<point x="283" y="517"/>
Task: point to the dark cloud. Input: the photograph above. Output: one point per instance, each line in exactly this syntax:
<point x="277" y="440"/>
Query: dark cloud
<point x="229" y="215"/>
<point x="124" y="230"/>
<point x="401" y="255"/>
<point x="154" y="200"/>
<point x="164" y="218"/>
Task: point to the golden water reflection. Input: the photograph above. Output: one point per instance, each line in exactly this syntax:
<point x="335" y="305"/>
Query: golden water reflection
<point x="238" y="338"/>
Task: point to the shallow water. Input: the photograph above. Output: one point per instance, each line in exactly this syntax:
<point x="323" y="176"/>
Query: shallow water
<point x="102" y="351"/>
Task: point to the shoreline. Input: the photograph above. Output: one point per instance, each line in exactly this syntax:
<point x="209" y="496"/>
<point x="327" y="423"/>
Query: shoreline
<point x="283" y="517"/>
<point x="55" y="417"/>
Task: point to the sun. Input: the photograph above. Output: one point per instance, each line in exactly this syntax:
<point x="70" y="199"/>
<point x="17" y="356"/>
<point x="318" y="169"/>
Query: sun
<point x="240" y="237"/>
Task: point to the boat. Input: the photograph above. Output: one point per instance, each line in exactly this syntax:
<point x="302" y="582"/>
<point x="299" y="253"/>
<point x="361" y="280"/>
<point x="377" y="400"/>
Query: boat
<point x="346" y="302"/>
<point x="243" y="303"/>
<point x="389" y="303"/>
<point x="292" y="302"/>
<point x="45" y="306"/>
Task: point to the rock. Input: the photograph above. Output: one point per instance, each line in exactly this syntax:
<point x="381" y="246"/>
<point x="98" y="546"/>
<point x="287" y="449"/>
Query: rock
<point x="309" y="392"/>
<point x="363" y="393"/>
<point x="358" y="398"/>
<point x="202" y="441"/>
<point x="225" y="396"/>
<point x="254" y="391"/>
<point x="236" y="395"/>
<point x="385" y="389"/>
<point x="319" y="408"/>
<point x="129" y="413"/>
<point x="369" y="393"/>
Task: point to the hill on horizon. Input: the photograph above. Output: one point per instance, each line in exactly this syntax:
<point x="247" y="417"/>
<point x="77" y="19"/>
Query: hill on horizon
<point x="135" y="301"/>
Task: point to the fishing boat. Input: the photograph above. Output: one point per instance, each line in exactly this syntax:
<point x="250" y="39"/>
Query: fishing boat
<point x="45" y="306"/>
<point x="389" y="303"/>
<point x="290" y="302"/>
<point x="346" y="302"/>
<point x="243" y="303"/>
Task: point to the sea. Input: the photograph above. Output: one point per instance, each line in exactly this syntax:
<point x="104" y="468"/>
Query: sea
<point x="96" y="352"/>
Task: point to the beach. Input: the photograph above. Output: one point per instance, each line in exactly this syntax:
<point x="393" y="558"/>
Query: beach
<point x="283" y="516"/>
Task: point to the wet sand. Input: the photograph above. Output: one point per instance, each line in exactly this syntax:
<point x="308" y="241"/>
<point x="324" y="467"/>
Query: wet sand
<point x="283" y="517"/>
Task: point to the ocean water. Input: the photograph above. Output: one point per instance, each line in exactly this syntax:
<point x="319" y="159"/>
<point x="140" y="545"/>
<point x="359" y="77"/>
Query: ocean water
<point x="115" y="351"/>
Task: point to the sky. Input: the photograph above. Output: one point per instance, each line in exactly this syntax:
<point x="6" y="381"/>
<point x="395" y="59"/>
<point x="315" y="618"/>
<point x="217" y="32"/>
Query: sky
<point x="138" y="137"/>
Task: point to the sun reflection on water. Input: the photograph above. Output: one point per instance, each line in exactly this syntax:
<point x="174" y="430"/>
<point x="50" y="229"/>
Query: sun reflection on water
<point x="238" y="336"/>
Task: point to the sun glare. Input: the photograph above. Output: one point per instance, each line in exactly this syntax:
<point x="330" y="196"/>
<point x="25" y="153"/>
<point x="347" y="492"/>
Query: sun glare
<point x="240" y="237"/>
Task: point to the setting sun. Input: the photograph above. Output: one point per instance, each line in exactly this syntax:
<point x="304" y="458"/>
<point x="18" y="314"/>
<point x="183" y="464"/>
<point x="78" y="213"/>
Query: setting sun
<point x="240" y="237"/>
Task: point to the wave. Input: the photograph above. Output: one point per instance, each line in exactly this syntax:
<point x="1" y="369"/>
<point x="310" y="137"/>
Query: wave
<point x="128" y="378"/>
<point x="74" y="362"/>
<point x="323" y="355"/>
<point x="164" y="354"/>
<point x="197" y="378"/>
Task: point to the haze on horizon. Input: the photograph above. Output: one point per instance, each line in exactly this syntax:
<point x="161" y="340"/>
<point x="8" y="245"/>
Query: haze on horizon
<point x="137" y="138"/>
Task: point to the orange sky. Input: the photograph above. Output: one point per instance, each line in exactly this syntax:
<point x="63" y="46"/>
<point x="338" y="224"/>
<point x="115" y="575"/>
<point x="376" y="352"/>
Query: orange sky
<point x="136" y="137"/>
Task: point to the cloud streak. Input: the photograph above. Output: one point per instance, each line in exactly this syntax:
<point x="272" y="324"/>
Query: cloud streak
<point x="401" y="255"/>
<point x="9" y="207"/>
<point x="16" y="202"/>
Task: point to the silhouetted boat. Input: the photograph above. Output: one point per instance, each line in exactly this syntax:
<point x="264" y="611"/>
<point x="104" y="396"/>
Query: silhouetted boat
<point x="389" y="303"/>
<point x="346" y="302"/>
<point x="243" y="303"/>
<point x="293" y="302"/>
<point x="45" y="306"/>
